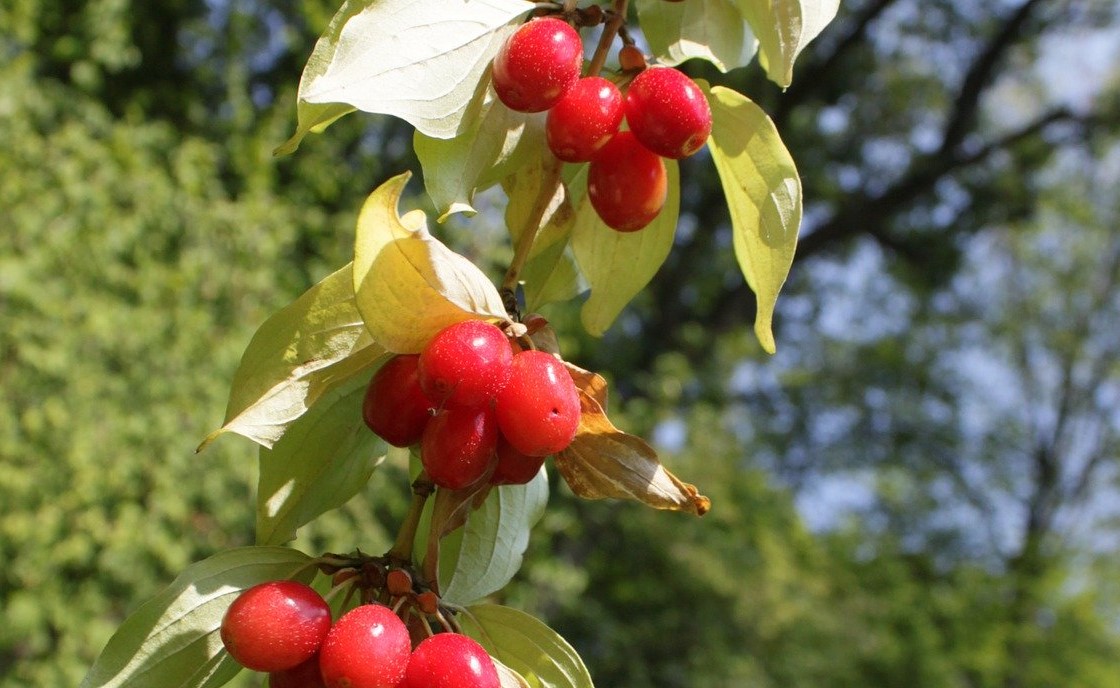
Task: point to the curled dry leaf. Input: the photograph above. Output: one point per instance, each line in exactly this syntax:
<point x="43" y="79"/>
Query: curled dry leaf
<point x="604" y="462"/>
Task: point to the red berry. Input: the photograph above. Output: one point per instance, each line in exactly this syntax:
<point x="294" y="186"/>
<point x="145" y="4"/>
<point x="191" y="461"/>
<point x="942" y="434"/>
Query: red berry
<point x="304" y="675"/>
<point x="450" y="660"/>
<point x="276" y="625"/>
<point x="458" y="446"/>
<point x="668" y="113"/>
<point x="584" y="119"/>
<point x="367" y="648"/>
<point x="627" y="183"/>
<point x="465" y="364"/>
<point x="513" y="467"/>
<point x="538" y="411"/>
<point x="395" y="407"/>
<point x="537" y="65"/>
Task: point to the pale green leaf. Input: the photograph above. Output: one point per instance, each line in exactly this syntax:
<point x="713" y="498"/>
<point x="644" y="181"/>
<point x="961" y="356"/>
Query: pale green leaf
<point x="408" y="285"/>
<point x="763" y="195"/>
<point x="618" y="265"/>
<point x="526" y="645"/>
<point x="454" y="169"/>
<point x="494" y="540"/>
<point x="298" y="354"/>
<point x="172" y="641"/>
<point x="508" y="678"/>
<point x="712" y="30"/>
<point x="326" y="457"/>
<point x="784" y="28"/>
<point x="421" y="61"/>
<point x="549" y="273"/>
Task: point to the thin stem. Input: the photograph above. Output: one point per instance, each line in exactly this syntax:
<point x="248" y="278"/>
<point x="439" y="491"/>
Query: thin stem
<point x="549" y="185"/>
<point x="406" y="536"/>
<point x="610" y="30"/>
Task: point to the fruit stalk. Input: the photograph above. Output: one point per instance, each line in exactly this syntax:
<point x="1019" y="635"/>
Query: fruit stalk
<point x="610" y="30"/>
<point x="402" y="548"/>
<point x="550" y="183"/>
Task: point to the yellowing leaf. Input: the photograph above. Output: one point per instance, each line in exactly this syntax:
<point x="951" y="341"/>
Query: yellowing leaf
<point x="421" y="61"/>
<point x="711" y="30"/>
<point x="784" y="28"/>
<point x="763" y="195"/>
<point x="408" y="286"/>
<point x="604" y="462"/>
<point x="303" y="351"/>
<point x="618" y="265"/>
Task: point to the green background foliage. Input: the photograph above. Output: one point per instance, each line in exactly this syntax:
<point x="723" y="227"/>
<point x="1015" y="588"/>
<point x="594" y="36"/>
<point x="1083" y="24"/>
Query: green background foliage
<point x="967" y="430"/>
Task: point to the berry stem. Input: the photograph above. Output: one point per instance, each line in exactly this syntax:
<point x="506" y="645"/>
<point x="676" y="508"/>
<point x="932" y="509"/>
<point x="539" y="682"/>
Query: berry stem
<point x="549" y="185"/>
<point x="401" y="552"/>
<point x="610" y="30"/>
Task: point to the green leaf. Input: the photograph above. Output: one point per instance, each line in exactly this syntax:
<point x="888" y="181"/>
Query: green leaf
<point x="494" y="540"/>
<point x="527" y="646"/>
<point x="172" y="640"/>
<point x="408" y="285"/>
<point x="508" y="678"/>
<point x="421" y="61"/>
<point x="301" y="352"/>
<point x="326" y="458"/>
<point x="454" y="169"/>
<point x="550" y="273"/>
<point x="618" y="265"/>
<point x="784" y="28"/>
<point x="712" y="30"/>
<point x="763" y="194"/>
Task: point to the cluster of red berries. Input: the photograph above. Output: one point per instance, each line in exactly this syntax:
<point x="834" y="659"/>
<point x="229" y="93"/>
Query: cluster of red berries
<point x="476" y="408"/>
<point x="284" y="628"/>
<point x="667" y="116"/>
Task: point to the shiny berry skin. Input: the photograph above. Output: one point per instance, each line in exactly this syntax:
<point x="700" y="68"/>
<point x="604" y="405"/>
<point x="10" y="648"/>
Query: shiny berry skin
<point x="668" y="112"/>
<point x="395" y="407"/>
<point x="537" y="65"/>
<point x="465" y="364"/>
<point x="584" y="119"/>
<point x="458" y="446"/>
<point x="513" y="467"/>
<point x="276" y="625"/>
<point x="450" y="660"/>
<point x="538" y="411"/>
<point x="304" y="675"/>
<point x="627" y="183"/>
<point x="367" y="648"/>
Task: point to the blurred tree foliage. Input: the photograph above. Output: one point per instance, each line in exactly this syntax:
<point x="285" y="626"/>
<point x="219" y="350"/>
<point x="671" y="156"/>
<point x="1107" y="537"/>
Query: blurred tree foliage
<point x="946" y="366"/>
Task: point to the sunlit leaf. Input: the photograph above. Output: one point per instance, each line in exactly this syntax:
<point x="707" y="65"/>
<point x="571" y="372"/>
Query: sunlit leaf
<point x="712" y="30"/>
<point x="763" y="195"/>
<point x="407" y="284"/>
<point x="602" y="462"/>
<point x="172" y="641"/>
<point x="301" y="352"/>
<point x="508" y="678"/>
<point x="526" y="645"/>
<point x="455" y="168"/>
<point x="421" y="61"/>
<point x="494" y="541"/>
<point x="326" y="457"/>
<point x="784" y="28"/>
<point x="618" y="265"/>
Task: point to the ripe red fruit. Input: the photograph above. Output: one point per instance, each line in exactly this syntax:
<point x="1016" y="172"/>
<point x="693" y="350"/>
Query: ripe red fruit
<point x="537" y="65"/>
<point x="304" y="675"/>
<point x="458" y="446"/>
<point x="584" y="119"/>
<point x="367" y="648"/>
<point x="450" y="660"/>
<point x="395" y="407"/>
<point x="276" y="625"/>
<point x="668" y="112"/>
<point x="627" y="183"/>
<point x="538" y="411"/>
<point x="513" y="467"/>
<point x="465" y="364"/>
